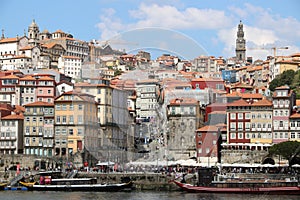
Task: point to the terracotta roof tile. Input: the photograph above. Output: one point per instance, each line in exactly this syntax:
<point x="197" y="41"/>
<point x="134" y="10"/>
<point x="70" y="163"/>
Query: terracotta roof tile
<point x="21" y="117"/>
<point x="183" y="101"/>
<point x="39" y="103"/>
<point x="295" y="116"/>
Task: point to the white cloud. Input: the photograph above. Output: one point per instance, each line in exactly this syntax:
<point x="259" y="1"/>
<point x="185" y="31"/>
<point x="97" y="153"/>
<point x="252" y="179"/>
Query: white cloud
<point x="166" y="16"/>
<point x="262" y="27"/>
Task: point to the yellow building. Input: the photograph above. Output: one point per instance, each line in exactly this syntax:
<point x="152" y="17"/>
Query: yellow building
<point x="261" y="122"/>
<point x="76" y="126"/>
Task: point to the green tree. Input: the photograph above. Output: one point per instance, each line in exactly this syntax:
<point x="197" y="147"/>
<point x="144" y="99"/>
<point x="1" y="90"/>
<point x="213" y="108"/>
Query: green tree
<point x="286" y="78"/>
<point x="287" y="150"/>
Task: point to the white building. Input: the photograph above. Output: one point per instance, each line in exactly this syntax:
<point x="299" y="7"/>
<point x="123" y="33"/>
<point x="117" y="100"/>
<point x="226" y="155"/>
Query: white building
<point x="70" y="66"/>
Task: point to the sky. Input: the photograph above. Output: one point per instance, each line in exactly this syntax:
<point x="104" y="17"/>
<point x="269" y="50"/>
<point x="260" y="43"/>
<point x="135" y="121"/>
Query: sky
<point x="186" y="28"/>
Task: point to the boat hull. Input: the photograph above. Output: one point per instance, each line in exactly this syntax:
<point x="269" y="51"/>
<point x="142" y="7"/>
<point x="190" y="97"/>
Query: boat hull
<point x="88" y="187"/>
<point x="295" y="190"/>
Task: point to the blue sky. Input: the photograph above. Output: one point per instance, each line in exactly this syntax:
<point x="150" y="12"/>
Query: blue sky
<point x="185" y="28"/>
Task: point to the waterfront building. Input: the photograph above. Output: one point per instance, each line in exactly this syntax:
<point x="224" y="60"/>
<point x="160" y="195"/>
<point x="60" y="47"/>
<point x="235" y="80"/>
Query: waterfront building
<point x="283" y="103"/>
<point x="183" y="116"/>
<point x="11" y="134"/>
<point x="239" y="122"/>
<point x="261" y="122"/>
<point x="113" y="117"/>
<point x="208" y="143"/>
<point x="39" y="129"/>
<point x="76" y="126"/>
<point x="295" y="127"/>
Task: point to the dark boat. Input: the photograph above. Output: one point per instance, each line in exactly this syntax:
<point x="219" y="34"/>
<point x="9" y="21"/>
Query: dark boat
<point x="76" y="184"/>
<point x="48" y="183"/>
<point x="206" y="184"/>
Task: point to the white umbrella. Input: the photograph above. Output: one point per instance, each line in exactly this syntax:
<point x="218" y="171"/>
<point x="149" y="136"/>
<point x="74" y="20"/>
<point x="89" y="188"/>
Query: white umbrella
<point x="105" y="163"/>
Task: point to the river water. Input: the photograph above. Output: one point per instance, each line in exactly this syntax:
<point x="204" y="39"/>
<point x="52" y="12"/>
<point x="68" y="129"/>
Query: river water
<point x="134" y="195"/>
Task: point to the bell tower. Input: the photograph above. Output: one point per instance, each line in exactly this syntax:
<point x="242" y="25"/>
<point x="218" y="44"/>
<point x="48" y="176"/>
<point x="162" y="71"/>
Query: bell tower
<point x="240" y="48"/>
<point x="33" y="33"/>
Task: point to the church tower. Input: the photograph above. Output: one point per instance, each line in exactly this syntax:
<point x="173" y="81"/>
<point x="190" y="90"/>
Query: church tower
<point x="240" y="48"/>
<point x="33" y="33"/>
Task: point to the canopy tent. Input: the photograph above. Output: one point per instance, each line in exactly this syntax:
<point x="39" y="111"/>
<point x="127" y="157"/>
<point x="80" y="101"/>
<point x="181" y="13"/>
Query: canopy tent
<point x="105" y="163"/>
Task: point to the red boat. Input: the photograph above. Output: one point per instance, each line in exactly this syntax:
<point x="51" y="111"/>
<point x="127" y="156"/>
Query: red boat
<point x="207" y="184"/>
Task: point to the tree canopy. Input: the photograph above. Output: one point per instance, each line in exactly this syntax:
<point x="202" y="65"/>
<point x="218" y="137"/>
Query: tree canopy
<point x="285" y="78"/>
<point x="288" y="150"/>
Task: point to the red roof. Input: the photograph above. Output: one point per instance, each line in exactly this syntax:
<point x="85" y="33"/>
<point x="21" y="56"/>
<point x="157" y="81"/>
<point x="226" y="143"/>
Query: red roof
<point x="295" y="116"/>
<point x="239" y="102"/>
<point x="14" y="117"/>
<point x="39" y="103"/>
<point x="208" y="128"/>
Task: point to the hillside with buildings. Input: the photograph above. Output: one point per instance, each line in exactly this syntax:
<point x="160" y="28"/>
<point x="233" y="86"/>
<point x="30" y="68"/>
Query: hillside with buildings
<point x="73" y="101"/>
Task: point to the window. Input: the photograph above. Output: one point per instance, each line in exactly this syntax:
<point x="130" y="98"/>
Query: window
<point x="240" y="125"/>
<point x="71" y="107"/>
<point x="240" y="135"/>
<point x="280" y="123"/>
<point x="64" y="119"/>
<point x="40" y="129"/>
<point x="58" y="119"/>
<point x="64" y="107"/>
<point x="79" y="131"/>
<point x="71" y="131"/>
<point x="57" y="107"/>
<point x="233" y="136"/>
<point x="80" y="119"/>
<point x="292" y="124"/>
<point x="293" y="136"/>
<point x="247" y="115"/>
<point x="232" y="126"/>
<point x="79" y="107"/>
<point x="71" y="119"/>
<point x="232" y="115"/>
<point x="40" y="119"/>
<point x="63" y="131"/>
<point x="33" y="129"/>
<point x="247" y="124"/>
<point x="240" y="116"/>
<point x="57" y="131"/>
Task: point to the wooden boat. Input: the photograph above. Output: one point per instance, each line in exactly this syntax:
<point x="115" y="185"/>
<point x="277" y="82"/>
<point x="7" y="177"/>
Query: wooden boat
<point x="207" y="185"/>
<point x="75" y="184"/>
